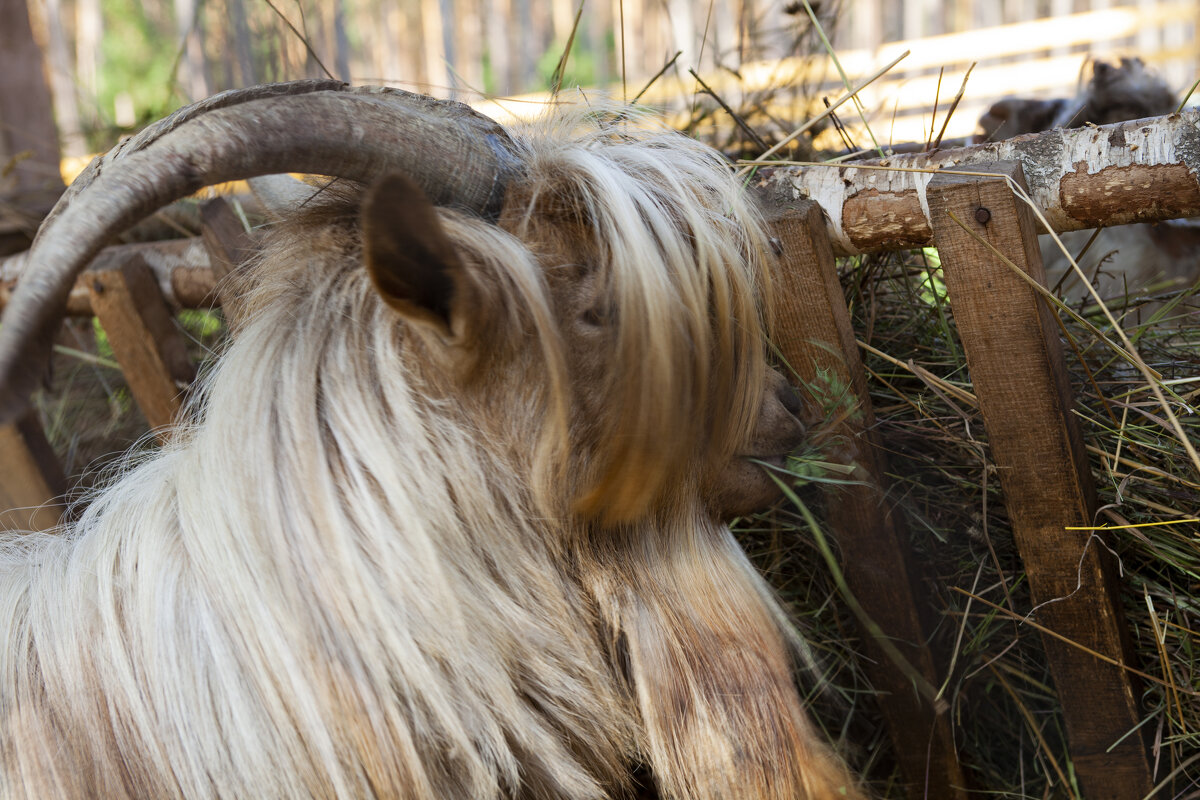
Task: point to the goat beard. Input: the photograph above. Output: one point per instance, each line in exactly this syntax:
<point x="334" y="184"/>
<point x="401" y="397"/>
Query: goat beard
<point x="704" y="646"/>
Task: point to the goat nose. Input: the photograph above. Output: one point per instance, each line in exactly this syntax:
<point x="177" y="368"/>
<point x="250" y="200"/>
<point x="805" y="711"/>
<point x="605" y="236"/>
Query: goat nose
<point x="790" y="399"/>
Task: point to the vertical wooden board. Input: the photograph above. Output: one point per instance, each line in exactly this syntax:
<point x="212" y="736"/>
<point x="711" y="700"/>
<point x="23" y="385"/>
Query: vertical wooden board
<point x="814" y="334"/>
<point x="1017" y="367"/>
<point x="144" y="339"/>
<point x="31" y="480"/>
<point x="229" y="246"/>
<point x="225" y="238"/>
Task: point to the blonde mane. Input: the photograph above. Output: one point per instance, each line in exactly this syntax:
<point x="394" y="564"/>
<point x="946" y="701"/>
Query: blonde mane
<point x="390" y="562"/>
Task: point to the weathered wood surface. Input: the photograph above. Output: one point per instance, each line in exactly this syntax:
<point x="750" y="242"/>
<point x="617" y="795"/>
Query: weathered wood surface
<point x="229" y="246"/>
<point x="228" y="242"/>
<point x="150" y="349"/>
<point x="810" y="310"/>
<point x="1141" y="171"/>
<point x="1017" y="367"/>
<point x="31" y="480"/>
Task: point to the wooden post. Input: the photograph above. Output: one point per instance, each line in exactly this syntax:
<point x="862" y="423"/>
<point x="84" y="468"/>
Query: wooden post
<point x="229" y="245"/>
<point x="1017" y="367"/>
<point x="227" y="241"/>
<point x="814" y="335"/>
<point x="31" y="480"/>
<point x="148" y="346"/>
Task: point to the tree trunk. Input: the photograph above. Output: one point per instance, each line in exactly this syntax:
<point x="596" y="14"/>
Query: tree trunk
<point x="89" y="31"/>
<point x="341" y="43"/>
<point x="468" y="46"/>
<point x="683" y="29"/>
<point x="30" y="180"/>
<point x="193" y="79"/>
<point x="247" y="73"/>
<point x="498" y="54"/>
<point x="524" y="66"/>
<point x="28" y="139"/>
<point x="62" y="82"/>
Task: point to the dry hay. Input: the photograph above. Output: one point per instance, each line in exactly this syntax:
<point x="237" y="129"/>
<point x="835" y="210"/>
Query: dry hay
<point x="1008" y="723"/>
<point x="89" y="414"/>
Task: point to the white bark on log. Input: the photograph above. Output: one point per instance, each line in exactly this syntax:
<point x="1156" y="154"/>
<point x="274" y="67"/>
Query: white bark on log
<point x="1140" y="171"/>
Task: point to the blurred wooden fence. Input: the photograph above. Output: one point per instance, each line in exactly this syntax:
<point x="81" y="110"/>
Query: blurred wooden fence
<point x="1036" y="48"/>
<point x="477" y="48"/>
<point x="1038" y="55"/>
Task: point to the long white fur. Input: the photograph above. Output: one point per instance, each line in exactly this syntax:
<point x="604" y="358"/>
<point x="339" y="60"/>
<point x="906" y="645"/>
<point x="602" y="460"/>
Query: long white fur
<point x="379" y="566"/>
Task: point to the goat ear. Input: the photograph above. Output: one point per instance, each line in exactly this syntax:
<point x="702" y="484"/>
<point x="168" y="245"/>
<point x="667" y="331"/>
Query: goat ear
<point x="408" y="255"/>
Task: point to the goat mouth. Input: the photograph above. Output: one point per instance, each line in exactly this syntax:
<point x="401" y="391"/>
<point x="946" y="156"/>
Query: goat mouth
<point x="777" y="461"/>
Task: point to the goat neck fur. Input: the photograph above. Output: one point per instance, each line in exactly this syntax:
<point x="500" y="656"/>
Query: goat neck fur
<point x="440" y="535"/>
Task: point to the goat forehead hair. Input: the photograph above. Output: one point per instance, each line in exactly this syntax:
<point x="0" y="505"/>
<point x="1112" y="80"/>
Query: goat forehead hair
<point x="681" y="249"/>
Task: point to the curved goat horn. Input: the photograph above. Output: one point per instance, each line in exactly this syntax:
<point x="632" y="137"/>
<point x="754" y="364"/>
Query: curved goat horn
<point x="458" y="157"/>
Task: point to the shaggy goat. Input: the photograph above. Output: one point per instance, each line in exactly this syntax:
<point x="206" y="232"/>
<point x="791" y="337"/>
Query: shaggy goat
<point x="448" y="525"/>
<point x="1115" y="93"/>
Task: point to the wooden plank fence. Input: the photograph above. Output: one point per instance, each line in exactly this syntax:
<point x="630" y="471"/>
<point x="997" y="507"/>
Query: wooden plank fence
<point x="814" y="336"/>
<point x="972" y="211"/>
<point x="1033" y="49"/>
<point x="1018" y="52"/>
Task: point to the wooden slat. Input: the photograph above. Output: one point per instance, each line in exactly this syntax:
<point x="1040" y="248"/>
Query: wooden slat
<point x="1017" y="368"/>
<point x="150" y="349"/>
<point x="229" y="243"/>
<point x="31" y="480"/>
<point x="814" y="335"/>
<point x="229" y="246"/>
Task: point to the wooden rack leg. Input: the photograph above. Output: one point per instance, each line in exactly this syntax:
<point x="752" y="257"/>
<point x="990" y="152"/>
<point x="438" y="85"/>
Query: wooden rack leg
<point x="31" y="480"/>
<point x="1017" y="367"/>
<point x="229" y="246"/>
<point x="150" y="349"/>
<point x="814" y="335"/>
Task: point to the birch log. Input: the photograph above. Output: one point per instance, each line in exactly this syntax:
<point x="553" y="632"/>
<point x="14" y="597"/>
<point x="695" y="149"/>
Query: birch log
<point x="182" y="268"/>
<point x="1140" y="171"/>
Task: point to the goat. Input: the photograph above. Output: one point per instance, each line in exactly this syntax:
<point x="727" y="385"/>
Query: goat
<point x="1115" y="93"/>
<point x="448" y="524"/>
<point x="1165" y="255"/>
